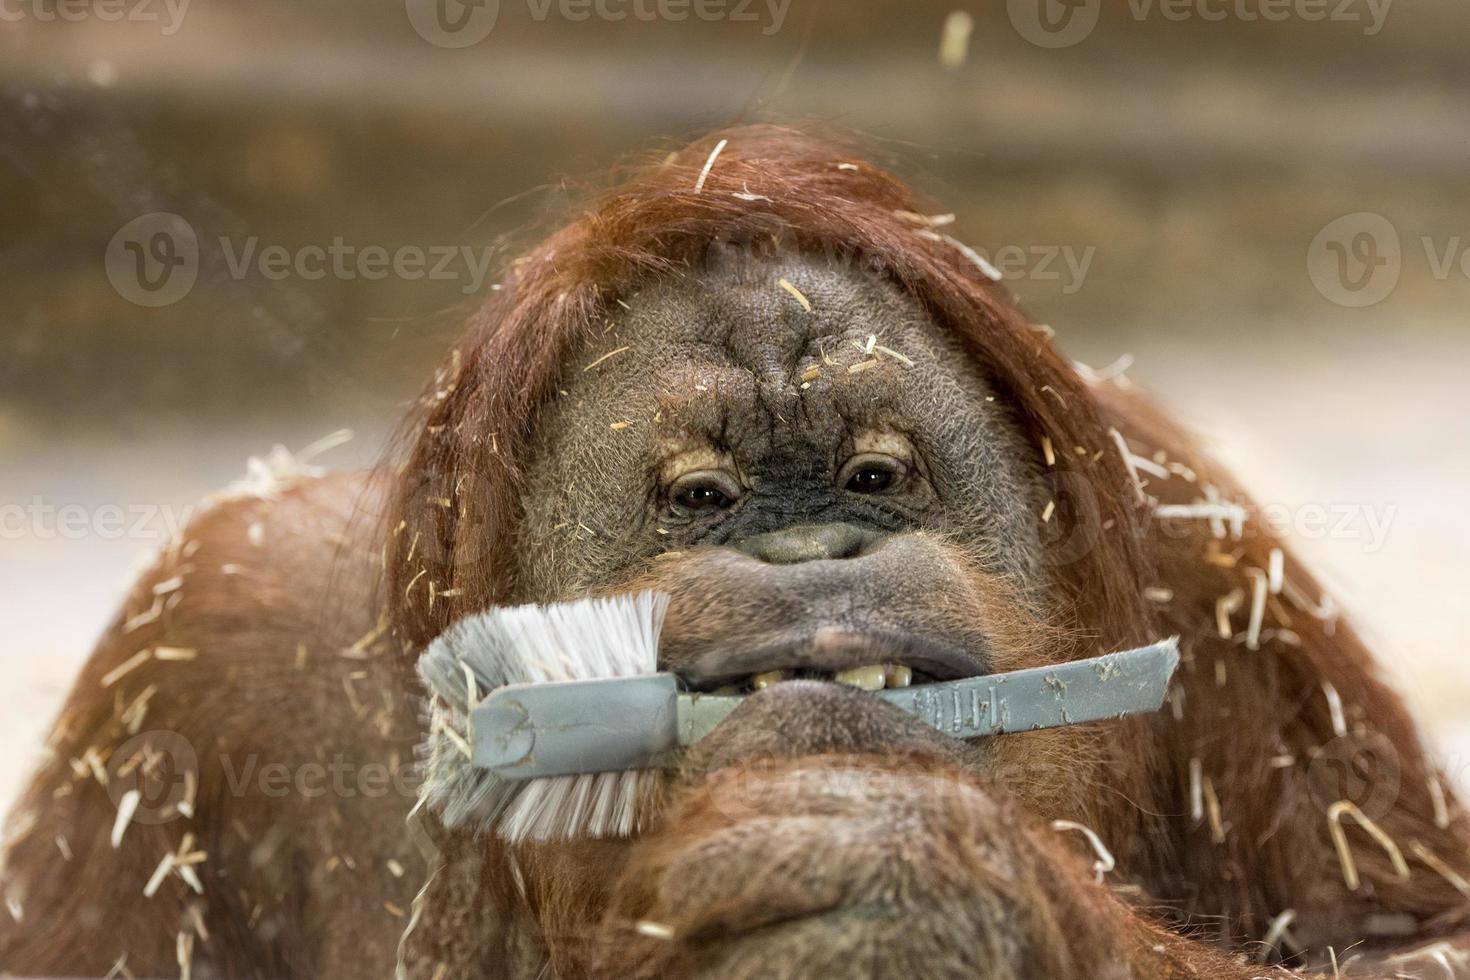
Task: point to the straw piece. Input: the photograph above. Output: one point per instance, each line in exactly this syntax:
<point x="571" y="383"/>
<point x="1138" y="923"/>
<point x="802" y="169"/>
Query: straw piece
<point x="127" y="666"/>
<point x="979" y="261"/>
<point x="709" y="165"/>
<point x="174" y="653"/>
<point x="1343" y="808"/>
<point x="1436" y="796"/>
<point x="785" y="284"/>
<point x="1443" y="870"/>
<point x="185" y="952"/>
<point x="604" y="357"/>
<point x="1260" y="584"/>
<point x="1207" y="511"/>
<point x="932" y="220"/>
<point x="148" y="616"/>
<point x="1128" y="464"/>
<point x="1105" y="861"/>
<point x="126" y="807"/>
<point x="1276" y="572"/>
<point x="169" y="585"/>
<point x="1275" y="931"/>
<point x="954" y="39"/>
<point x="901" y="358"/>
<point x="1196" y="791"/>
<point x="1146" y="465"/>
<point x="1334" y="705"/>
<point x="1224" y="606"/>
<point x="1212" y="810"/>
<point x="159" y="874"/>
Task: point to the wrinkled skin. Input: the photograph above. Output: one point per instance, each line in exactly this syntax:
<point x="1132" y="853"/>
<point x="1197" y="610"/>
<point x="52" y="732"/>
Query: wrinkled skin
<point x="816" y="833"/>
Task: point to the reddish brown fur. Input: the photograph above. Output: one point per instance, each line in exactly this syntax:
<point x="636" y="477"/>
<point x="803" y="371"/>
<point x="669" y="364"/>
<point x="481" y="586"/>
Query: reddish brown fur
<point x="1278" y="854"/>
<point x="469" y="444"/>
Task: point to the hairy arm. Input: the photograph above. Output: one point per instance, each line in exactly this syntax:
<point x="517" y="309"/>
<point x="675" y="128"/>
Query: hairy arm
<point x="214" y="723"/>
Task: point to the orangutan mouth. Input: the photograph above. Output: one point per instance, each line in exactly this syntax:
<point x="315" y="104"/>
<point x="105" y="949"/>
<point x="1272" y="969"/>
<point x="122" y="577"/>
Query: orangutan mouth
<point x="867" y="660"/>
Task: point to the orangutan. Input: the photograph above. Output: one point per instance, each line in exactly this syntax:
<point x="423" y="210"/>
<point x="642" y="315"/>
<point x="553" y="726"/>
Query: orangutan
<point x="757" y="378"/>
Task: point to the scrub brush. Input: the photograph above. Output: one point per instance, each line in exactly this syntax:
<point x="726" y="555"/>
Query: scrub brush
<point x="546" y="720"/>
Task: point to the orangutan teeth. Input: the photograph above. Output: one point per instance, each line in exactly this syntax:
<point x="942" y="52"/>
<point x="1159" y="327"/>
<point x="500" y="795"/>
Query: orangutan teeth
<point x="762" y="681"/>
<point x="869" y="678"/>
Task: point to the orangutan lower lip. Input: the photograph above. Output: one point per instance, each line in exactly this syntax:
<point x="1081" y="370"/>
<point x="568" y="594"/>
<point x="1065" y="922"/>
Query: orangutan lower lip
<point x="868" y="659"/>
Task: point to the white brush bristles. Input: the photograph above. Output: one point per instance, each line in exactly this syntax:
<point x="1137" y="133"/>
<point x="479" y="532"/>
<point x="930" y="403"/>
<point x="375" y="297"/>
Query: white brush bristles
<point x="586" y="639"/>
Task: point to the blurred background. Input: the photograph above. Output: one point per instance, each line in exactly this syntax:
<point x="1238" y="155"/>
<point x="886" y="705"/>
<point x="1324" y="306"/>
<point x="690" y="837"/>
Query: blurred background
<point x="227" y="225"/>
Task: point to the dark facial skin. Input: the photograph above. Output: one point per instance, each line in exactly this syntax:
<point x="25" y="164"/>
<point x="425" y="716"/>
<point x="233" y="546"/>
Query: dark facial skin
<point x="714" y="439"/>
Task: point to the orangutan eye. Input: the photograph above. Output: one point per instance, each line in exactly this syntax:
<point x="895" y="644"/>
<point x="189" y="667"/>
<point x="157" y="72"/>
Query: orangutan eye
<point x="702" y="498"/>
<point x="870" y="479"/>
<point x="871" y="473"/>
<point x="704" y="492"/>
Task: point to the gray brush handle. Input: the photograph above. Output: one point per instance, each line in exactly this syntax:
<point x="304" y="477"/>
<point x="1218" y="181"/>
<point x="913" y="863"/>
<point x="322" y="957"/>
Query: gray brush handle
<point x="525" y="731"/>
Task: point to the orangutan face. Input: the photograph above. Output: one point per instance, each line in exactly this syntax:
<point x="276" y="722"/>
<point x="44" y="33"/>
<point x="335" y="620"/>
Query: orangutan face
<point x="817" y="474"/>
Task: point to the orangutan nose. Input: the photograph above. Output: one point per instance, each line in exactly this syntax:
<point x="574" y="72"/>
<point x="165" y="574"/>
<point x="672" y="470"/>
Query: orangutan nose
<point x="809" y="542"/>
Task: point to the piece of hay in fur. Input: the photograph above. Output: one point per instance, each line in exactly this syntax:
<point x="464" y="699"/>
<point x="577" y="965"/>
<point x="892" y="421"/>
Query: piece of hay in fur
<point x="1105" y="861"/>
<point x="1347" y="808"/>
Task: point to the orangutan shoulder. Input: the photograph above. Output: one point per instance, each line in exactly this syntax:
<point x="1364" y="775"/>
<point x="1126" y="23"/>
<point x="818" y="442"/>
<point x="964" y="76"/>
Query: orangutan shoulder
<point x="299" y="558"/>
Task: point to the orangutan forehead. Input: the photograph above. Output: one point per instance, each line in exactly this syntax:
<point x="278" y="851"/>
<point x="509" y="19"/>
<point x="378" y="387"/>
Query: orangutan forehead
<point x="770" y="336"/>
<point x="776" y="317"/>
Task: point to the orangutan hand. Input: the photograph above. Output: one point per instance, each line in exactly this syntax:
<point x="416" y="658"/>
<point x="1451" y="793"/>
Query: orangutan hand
<point x="850" y="864"/>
